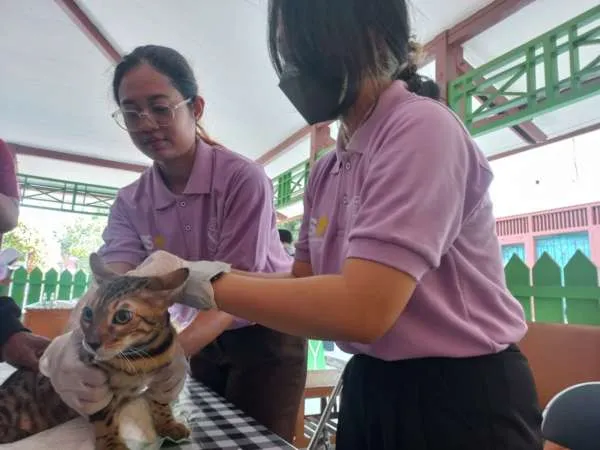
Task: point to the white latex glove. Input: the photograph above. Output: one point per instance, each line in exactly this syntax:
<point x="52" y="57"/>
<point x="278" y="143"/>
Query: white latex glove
<point x="168" y="382"/>
<point x="198" y="291"/>
<point x="81" y="387"/>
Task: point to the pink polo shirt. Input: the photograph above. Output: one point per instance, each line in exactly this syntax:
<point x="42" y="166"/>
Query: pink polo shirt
<point x="411" y="191"/>
<point x="225" y="213"/>
<point x="8" y="177"/>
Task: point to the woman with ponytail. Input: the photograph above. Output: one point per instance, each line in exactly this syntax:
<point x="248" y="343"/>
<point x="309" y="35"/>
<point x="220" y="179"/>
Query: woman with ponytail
<point x="397" y="259"/>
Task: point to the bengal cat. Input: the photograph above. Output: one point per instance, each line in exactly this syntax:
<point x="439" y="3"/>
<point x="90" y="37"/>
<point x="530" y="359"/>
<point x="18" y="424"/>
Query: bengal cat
<point x="125" y="330"/>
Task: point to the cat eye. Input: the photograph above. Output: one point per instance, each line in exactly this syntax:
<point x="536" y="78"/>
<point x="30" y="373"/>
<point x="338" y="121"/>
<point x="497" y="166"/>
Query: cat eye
<point x="122" y="316"/>
<point x="87" y="314"/>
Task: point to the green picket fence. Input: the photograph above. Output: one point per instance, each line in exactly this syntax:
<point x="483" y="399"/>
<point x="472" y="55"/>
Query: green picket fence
<point x="542" y="290"/>
<point x="545" y="289"/>
<point x="28" y="288"/>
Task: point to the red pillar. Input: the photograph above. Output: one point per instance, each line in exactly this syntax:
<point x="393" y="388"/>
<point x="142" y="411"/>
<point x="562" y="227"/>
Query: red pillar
<point x="448" y="58"/>
<point x="320" y="138"/>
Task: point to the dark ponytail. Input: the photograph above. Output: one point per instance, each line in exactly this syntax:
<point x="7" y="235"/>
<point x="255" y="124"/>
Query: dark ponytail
<point x="419" y="84"/>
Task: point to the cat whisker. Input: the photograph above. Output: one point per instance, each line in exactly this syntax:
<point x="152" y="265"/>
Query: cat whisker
<point x="134" y="369"/>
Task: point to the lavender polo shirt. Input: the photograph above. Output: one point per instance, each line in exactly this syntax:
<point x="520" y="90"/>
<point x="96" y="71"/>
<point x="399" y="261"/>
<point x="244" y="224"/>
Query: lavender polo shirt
<point x="410" y="191"/>
<point x="225" y="213"/>
<point x="8" y="177"/>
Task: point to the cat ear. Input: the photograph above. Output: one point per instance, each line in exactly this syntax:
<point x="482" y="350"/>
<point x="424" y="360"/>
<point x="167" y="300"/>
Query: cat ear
<point x="171" y="281"/>
<point x="101" y="273"/>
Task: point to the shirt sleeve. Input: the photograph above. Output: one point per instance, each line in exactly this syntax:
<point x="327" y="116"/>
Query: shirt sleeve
<point x="8" y="177"/>
<point x="302" y="247"/>
<point x="121" y="241"/>
<point x="249" y="225"/>
<point x="9" y="320"/>
<point x="412" y="199"/>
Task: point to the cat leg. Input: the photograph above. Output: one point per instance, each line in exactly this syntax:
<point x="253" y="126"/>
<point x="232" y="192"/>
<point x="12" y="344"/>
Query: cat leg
<point x="106" y="428"/>
<point x="164" y="422"/>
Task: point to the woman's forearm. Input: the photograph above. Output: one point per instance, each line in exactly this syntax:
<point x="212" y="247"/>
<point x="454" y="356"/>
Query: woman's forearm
<point x="316" y="307"/>
<point x="347" y="307"/>
<point x="300" y="269"/>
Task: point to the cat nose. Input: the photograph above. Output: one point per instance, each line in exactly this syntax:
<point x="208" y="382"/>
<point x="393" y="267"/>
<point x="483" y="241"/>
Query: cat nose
<point x="94" y="345"/>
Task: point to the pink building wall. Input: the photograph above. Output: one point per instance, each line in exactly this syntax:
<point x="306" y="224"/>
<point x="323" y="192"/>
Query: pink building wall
<point x="523" y="229"/>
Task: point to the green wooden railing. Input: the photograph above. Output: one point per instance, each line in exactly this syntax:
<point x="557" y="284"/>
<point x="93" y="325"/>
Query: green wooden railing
<point x="34" y="287"/>
<point x="61" y="195"/>
<point x="510" y="87"/>
<point x="289" y="187"/>
<point x="542" y="290"/>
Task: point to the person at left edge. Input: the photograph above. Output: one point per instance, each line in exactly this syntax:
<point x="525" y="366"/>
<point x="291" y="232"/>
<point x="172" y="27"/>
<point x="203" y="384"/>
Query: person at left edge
<point x="18" y="346"/>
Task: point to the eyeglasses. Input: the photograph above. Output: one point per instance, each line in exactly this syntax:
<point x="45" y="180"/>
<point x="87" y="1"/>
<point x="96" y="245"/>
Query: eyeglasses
<point x="159" y="114"/>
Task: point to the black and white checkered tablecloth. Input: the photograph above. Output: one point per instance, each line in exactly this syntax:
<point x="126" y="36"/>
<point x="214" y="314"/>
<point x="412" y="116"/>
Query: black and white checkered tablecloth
<point x="217" y="424"/>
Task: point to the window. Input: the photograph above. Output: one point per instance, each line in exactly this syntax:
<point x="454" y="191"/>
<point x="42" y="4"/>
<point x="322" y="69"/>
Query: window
<point x="562" y="247"/>
<point x="513" y="249"/>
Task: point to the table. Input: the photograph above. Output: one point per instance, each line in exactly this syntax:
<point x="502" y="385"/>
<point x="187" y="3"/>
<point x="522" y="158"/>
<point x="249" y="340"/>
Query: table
<point x="217" y="424"/>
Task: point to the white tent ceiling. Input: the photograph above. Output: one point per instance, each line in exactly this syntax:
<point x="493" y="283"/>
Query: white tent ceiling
<point x="55" y="83"/>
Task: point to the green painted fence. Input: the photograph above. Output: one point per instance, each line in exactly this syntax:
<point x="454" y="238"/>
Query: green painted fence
<point x="540" y="290"/>
<point x="27" y="288"/>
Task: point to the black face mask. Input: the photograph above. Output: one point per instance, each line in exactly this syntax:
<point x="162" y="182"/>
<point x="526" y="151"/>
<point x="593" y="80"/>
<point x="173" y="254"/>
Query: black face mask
<point x="317" y="100"/>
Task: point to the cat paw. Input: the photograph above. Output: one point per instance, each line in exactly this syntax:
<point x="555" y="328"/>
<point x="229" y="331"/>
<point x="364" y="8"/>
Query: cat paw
<point x="173" y="430"/>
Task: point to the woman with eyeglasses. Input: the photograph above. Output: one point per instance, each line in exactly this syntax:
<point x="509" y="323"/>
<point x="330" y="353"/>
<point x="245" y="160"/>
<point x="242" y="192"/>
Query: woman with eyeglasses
<point x="198" y="201"/>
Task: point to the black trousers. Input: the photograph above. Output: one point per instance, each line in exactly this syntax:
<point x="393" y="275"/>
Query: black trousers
<point x="259" y="370"/>
<point x="480" y="403"/>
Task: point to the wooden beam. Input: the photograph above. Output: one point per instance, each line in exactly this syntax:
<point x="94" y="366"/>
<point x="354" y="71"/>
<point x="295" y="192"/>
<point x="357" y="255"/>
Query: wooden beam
<point x="591" y="81"/>
<point x="284" y="146"/>
<point x="320" y="138"/>
<point x="553" y="140"/>
<point x="83" y="20"/>
<point x="484" y="19"/>
<point x="472" y="26"/>
<point x="527" y="130"/>
<point x="75" y="158"/>
<point x="447" y="64"/>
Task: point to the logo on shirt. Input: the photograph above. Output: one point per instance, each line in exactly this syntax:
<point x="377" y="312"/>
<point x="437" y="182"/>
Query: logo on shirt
<point x="152" y="243"/>
<point x="318" y="227"/>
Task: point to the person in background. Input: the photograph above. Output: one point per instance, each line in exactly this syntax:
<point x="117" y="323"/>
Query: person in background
<point x="285" y="236"/>
<point x="198" y="201"/>
<point x="18" y="346"/>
